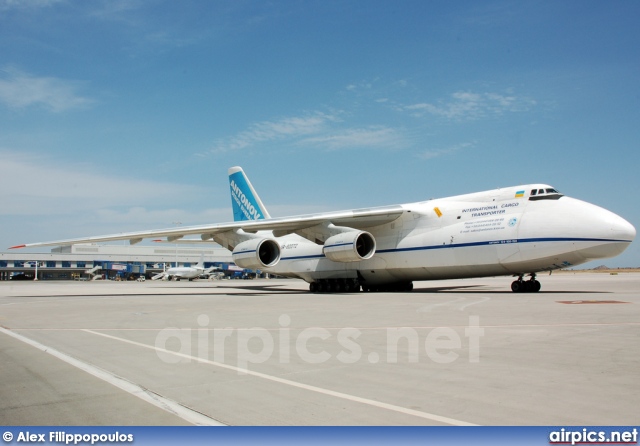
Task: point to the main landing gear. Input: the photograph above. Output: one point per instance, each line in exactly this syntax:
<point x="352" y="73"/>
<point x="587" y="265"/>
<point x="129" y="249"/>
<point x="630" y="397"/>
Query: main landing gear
<point x="525" y="286"/>
<point x="335" y="286"/>
<point x="353" y="286"/>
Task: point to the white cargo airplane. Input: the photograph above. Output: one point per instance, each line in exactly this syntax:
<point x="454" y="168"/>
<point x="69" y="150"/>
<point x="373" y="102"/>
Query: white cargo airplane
<point x="514" y="231"/>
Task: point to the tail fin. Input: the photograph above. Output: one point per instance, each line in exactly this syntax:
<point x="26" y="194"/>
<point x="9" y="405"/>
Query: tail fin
<point x="244" y="199"/>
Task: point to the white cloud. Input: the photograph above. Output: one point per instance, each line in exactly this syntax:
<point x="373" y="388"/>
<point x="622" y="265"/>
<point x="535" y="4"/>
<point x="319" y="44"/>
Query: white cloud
<point x="433" y="153"/>
<point x="318" y="130"/>
<point x="372" y="137"/>
<point x="37" y="186"/>
<point x="21" y="90"/>
<point x="6" y="5"/>
<point x="114" y="9"/>
<point x="361" y="86"/>
<point x="467" y="105"/>
<point x="46" y="200"/>
<point x="167" y="40"/>
<point x="286" y="128"/>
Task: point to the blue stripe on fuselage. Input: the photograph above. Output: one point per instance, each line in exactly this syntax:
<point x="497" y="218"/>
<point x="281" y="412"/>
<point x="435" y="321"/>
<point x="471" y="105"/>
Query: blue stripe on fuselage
<point x="472" y="244"/>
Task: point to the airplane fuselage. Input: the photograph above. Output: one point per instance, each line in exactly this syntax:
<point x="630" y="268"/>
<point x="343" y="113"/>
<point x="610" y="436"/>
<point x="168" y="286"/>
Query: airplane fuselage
<point x="499" y="232"/>
<point x="184" y="272"/>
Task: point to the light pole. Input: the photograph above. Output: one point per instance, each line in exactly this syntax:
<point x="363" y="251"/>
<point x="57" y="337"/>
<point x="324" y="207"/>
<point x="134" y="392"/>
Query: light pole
<point x="177" y="223"/>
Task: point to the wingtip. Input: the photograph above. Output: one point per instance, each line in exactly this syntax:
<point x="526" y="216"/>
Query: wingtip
<point x="18" y="246"/>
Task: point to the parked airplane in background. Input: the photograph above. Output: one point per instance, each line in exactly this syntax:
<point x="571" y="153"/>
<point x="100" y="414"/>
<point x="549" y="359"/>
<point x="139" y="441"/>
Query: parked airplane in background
<point x="185" y="272"/>
<point x="514" y="231"/>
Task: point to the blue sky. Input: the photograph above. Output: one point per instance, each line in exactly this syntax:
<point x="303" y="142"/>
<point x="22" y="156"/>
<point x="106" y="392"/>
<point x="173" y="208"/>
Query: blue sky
<point x="125" y="115"/>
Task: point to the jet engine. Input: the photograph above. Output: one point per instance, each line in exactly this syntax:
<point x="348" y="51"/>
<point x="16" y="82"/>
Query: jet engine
<point x="257" y="253"/>
<point x="352" y="246"/>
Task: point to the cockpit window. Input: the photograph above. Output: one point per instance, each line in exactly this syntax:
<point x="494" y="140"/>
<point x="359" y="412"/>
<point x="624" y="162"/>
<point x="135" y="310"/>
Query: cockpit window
<point x="544" y="194"/>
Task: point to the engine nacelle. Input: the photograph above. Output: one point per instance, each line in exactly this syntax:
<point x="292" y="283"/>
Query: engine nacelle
<point x="351" y="246"/>
<point x="257" y="253"/>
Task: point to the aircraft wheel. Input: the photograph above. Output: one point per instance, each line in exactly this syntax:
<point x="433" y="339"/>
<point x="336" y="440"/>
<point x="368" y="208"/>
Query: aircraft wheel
<point x="313" y="287"/>
<point x="535" y="286"/>
<point x="529" y="286"/>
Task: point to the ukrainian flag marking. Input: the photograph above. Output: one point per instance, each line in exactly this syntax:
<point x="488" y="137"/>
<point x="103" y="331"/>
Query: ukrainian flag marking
<point x="520" y="194"/>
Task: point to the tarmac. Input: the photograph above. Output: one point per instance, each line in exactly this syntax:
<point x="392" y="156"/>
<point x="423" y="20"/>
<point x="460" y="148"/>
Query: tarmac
<point x="268" y="352"/>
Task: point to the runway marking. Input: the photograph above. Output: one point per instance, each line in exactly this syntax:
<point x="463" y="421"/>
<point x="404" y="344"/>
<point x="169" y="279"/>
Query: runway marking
<point x="345" y="396"/>
<point x="173" y="407"/>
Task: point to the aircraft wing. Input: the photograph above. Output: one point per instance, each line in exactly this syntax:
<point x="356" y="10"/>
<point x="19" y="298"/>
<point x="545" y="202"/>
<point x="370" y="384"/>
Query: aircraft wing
<point x="356" y="219"/>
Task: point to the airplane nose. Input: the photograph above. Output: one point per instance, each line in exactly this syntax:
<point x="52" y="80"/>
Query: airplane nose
<point x="623" y="229"/>
<point x="611" y="233"/>
<point x="607" y="225"/>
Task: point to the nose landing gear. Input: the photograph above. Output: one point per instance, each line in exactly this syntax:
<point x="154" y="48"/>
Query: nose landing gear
<point x="525" y="286"/>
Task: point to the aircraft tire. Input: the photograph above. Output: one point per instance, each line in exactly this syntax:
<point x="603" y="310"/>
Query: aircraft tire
<point x="335" y="286"/>
<point x="407" y="287"/>
<point x="536" y="286"/>
<point x="530" y="286"/>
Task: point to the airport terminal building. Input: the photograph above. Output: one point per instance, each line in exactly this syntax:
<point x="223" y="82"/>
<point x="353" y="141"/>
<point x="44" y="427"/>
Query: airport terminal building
<point x="91" y="261"/>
